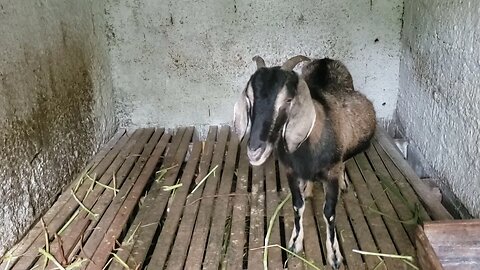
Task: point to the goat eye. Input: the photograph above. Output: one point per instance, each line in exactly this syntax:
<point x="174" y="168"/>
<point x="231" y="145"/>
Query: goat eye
<point x="288" y="100"/>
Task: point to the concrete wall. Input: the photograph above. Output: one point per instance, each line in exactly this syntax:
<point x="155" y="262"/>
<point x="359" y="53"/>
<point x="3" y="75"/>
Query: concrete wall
<point x="439" y="98"/>
<point x="184" y="62"/>
<point x="56" y="102"/>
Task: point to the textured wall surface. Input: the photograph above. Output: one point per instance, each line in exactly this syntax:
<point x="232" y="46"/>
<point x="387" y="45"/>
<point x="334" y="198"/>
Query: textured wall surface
<point x="439" y="96"/>
<point x="56" y="102"/>
<point x="184" y="62"/>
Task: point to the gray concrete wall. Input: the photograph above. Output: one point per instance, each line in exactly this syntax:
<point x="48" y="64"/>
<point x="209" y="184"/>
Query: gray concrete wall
<point x="439" y="98"/>
<point x="56" y="102"/>
<point x="184" y="62"/>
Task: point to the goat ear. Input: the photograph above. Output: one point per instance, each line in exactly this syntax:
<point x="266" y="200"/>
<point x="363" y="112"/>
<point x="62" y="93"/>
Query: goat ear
<point x="241" y="116"/>
<point x="301" y="118"/>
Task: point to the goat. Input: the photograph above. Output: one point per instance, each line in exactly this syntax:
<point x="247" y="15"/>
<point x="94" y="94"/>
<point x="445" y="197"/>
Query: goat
<point x="315" y="121"/>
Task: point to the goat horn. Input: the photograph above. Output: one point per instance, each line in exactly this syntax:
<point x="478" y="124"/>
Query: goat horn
<point x="292" y="62"/>
<point x="259" y="60"/>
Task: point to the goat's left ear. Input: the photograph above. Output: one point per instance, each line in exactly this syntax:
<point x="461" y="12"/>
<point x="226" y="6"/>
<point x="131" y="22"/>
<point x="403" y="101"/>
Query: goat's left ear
<point x="241" y="116"/>
<point x="301" y="118"/>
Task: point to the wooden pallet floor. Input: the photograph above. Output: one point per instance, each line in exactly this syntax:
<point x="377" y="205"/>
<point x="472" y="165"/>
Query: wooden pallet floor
<point x="120" y="211"/>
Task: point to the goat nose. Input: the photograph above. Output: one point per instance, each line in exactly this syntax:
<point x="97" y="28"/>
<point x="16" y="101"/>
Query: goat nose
<point x="255" y="145"/>
<point x="254" y="154"/>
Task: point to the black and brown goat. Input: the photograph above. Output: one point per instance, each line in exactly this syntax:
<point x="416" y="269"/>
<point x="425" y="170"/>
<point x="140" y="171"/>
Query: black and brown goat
<point x="315" y="122"/>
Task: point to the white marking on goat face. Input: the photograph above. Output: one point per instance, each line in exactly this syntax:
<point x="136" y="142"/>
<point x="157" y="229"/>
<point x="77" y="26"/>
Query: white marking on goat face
<point x="257" y="156"/>
<point x="280" y="101"/>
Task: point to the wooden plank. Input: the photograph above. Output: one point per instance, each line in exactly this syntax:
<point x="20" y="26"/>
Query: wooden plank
<point x="215" y="251"/>
<point x="133" y="194"/>
<point x="100" y="198"/>
<point x="106" y="204"/>
<point x="37" y="230"/>
<point x="456" y="243"/>
<point x="108" y="165"/>
<point x="237" y="240"/>
<point x="318" y="202"/>
<point x="137" y="227"/>
<point x="202" y="224"/>
<point x="400" y="181"/>
<point x="392" y="221"/>
<point x="405" y="210"/>
<point x="357" y="219"/>
<point x="375" y="221"/>
<point x="312" y="242"/>
<point x="346" y="238"/>
<point x="272" y="202"/>
<point x="287" y="211"/>
<point x="182" y="240"/>
<point x="143" y="236"/>
<point x="426" y="256"/>
<point x="434" y="207"/>
<point x="257" y="204"/>
<point x="57" y="246"/>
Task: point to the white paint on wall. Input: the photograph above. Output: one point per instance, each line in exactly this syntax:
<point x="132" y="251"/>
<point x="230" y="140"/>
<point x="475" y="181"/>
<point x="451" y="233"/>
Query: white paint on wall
<point x="184" y="62"/>
<point x="439" y="96"/>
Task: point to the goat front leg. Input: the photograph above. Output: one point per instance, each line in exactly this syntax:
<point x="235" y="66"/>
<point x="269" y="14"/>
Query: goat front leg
<point x="334" y="257"/>
<point x="343" y="181"/>
<point x="297" y="188"/>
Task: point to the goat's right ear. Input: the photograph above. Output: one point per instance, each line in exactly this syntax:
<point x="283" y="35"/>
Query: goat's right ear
<point x="241" y="115"/>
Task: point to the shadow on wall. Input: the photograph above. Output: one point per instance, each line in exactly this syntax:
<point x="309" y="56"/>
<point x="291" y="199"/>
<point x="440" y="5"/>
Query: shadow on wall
<point x="46" y="129"/>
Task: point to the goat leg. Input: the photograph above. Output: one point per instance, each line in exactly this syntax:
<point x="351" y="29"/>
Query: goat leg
<point x="334" y="257"/>
<point x="297" y="188"/>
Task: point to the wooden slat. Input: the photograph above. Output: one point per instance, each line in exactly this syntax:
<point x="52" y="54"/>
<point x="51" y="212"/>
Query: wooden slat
<point x="190" y="234"/>
<point x="346" y="237"/>
<point x="319" y="201"/>
<point x="37" y="230"/>
<point x="108" y="204"/>
<point x="257" y="204"/>
<point x="99" y="199"/>
<point x="374" y="220"/>
<point x="107" y="166"/>
<point x="170" y="225"/>
<point x="235" y="251"/>
<point x="214" y="250"/>
<point x="182" y="240"/>
<point x="125" y="249"/>
<point x="156" y="201"/>
<point x="134" y="193"/>
<point x="137" y="248"/>
<point x="426" y="256"/>
<point x="434" y="207"/>
<point x="287" y="211"/>
<point x="272" y="202"/>
<point x="403" y="185"/>
<point x="403" y="207"/>
<point x="202" y="224"/>
<point x="357" y="219"/>
<point x="311" y="243"/>
<point x="391" y="219"/>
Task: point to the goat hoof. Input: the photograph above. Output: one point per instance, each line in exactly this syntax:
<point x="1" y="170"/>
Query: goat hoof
<point x="344" y="185"/>
<point x="335" y="262"/>
<point x="295" y="247"/>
